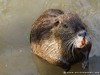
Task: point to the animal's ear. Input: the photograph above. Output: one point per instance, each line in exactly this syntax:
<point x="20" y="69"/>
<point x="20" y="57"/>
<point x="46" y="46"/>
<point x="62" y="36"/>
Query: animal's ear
<point x="56" y="22"/>
<point x="59" y="19"/>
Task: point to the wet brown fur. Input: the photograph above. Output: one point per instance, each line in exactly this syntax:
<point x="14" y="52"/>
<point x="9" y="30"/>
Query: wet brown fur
<point x="47" y="41"/>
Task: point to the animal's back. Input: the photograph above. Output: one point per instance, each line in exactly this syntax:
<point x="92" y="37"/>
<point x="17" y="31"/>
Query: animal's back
<point x="49" y="48"/>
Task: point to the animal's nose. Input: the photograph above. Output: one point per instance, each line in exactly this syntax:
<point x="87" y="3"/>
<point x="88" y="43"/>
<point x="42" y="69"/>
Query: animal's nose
<point x="82" y="33"/>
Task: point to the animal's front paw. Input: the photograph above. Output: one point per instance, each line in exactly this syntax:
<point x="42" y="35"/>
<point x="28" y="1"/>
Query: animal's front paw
<point x="66" y="70"/>
<point x="65" y="66"/>
<point x="85" y="64"/>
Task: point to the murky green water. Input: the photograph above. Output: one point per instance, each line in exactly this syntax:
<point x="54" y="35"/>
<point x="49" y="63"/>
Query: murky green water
<point x="16" y="18"/>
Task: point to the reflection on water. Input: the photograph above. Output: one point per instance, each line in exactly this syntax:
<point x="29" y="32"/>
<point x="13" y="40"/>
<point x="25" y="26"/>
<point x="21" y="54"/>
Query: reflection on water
<point x="16" y="18"/>
<point x="17" y="61"/>
<point x="45" y="68"/>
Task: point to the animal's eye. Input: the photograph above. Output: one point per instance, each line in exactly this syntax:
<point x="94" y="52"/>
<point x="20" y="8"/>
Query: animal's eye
<point x="65" y="26"/>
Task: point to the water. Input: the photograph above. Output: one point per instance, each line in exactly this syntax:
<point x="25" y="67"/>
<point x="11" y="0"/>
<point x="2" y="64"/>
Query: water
<point x="16" y="18"/>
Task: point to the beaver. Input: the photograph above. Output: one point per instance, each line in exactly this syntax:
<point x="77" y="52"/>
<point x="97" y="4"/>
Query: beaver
<point x="61" y="39"/>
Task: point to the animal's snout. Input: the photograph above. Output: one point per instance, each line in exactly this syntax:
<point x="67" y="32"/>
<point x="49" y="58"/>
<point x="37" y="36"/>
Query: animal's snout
<point x="82" y="33"/>
<point x="82" y="39"/>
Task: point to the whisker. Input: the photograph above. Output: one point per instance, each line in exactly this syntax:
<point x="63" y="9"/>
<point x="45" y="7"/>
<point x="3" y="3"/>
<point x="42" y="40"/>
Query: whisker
<point x="89" y="38"/>
<point x="73" y="49"/>
<point x="68" y="43"/>
<point x="74" y="42"/>
<point x="70" y="40"/>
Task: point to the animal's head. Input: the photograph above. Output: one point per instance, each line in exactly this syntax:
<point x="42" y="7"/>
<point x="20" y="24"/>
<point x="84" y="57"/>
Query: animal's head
<point x="71" y="30"/>
<point x="68" y="27"/>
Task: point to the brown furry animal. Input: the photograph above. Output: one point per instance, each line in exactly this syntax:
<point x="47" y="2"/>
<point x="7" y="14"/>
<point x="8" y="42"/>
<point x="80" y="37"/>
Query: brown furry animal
<point x="60" y="38"/>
